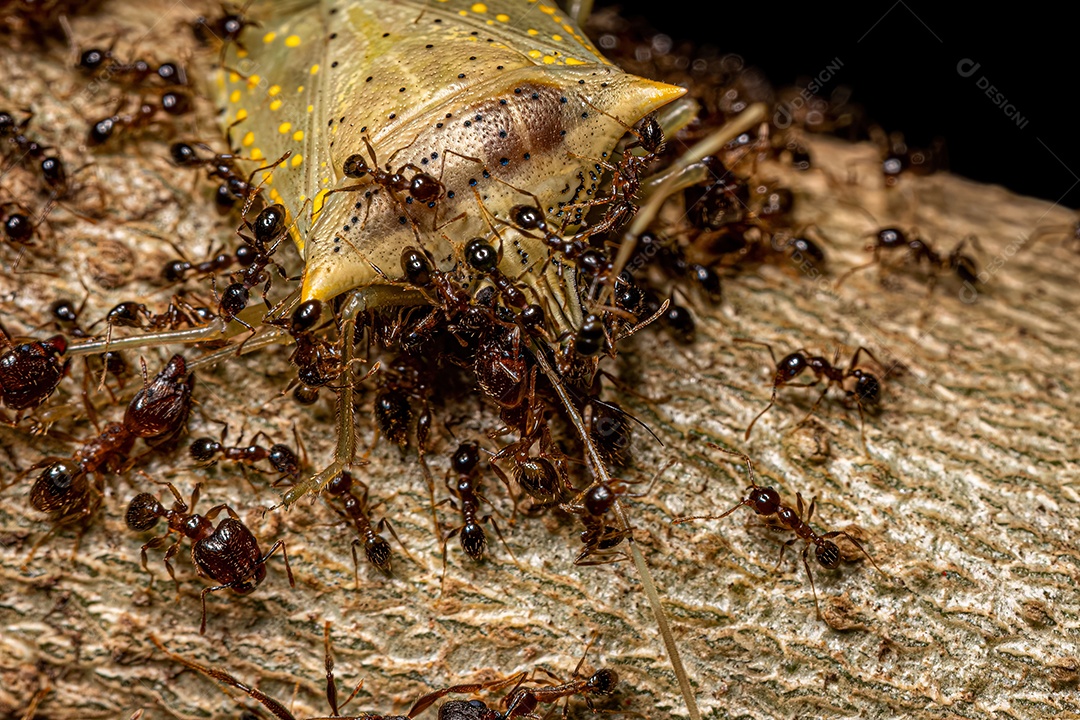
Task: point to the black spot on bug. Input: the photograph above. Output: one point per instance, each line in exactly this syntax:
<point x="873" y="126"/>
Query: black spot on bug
<point x="502" y="101"/>
<point x="402" y="219"/>
<point x="334" y="64"/>
<point x="563" y="100"/>
<point x="438" y="125"/>
<point x="461" y="76"/>
<point x="401" y="89"/>
<point x="429" y="46"/>
<point x="450" y="194"/>
<point x="392" y="116"/>
<point x="526" y="156"/>
<point x="472" y="182"/>
<point x="504" y="161"/>
<point x="386" y="35"/>
<point x="502" y="133"/>
<point x="370" y="78"/>
<point x="468" y="123"/>
<point x="517" y="91"/>
<point x="472" y="57"/>
<point x="584" y="115"/>
<point x="333" y="36"/>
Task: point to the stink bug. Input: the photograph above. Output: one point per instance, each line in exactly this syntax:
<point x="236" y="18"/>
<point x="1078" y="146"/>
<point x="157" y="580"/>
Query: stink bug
<point x="501" y="103"/>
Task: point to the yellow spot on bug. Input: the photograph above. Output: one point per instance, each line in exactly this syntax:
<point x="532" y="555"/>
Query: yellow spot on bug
<point x="274" y="90"/>
<point x="502" y="17"/>
<point x="253" y="81"/>
<point x="311" y="108"/>
<point x="249" y="139"/>
<point x="292" y="41"/>
<point x="574" y="61"/>
<point x="479" y="8"/>
<point x="549" y="60"/>
<point x="535" y="53"/>
<point x="234" y="96"/>
<point x="463" y="13"/>
<point x="557" y="38"/>
<point x="296" y="160"/>
<point x="241" y="53"/>
<point x="275" y="195"/>
<point x="547" y="9"/>
<point x="489" y="22"/>
<point x="532" y="31"/>
<point x="256" y="154"/>
<point x="241" y="114"/>
<point x="234" y="77"/>
<point x="297" y="136"/>
<point x="314" y="69"/>
<point x="275" y="105"/>
<point x="300" y="89"/>
<point x="269" y="37"/>
<point x="284" y="127"/>
<point x="317" y="203"/>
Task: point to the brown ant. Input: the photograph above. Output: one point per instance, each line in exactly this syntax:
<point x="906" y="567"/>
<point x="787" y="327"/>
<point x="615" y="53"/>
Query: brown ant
<point x="145" y="115"/>
<point x="275" y="707"/>
<point x="521" y="702"/>
<point x="866" y="390"/>
<point x="206" y="451"/>
<point x="421" y="187"/>
<point x="228" y="554"/>
<point x="765" y="501"/>
<point x="158" y="413"/>
<point x="30" y="371"/>
<point x="376" y="548"/>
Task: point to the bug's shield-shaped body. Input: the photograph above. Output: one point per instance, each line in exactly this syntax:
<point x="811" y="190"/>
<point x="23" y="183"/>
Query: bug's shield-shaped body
<point x="492" y="99"/>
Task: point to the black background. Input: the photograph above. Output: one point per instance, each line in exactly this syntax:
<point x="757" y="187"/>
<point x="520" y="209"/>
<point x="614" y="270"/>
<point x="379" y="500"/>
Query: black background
<point x="907" y="78"/>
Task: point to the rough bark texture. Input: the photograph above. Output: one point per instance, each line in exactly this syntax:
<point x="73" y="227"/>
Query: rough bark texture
<point x="967" y="498"/>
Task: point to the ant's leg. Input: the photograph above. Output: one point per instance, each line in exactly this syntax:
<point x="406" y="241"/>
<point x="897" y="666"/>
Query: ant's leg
<point x="356" y="564"/>
<point x="494" y="524"/>
<point x="386" y="523"/>
<point x="810" y="575"/>
<point x="284" y="554"/>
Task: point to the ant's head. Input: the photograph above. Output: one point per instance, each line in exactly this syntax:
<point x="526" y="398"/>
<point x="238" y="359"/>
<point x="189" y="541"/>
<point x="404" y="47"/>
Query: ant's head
<point x="764" y="500"/>
<point x="827" y="554"/>
<point x="790" y="367"/>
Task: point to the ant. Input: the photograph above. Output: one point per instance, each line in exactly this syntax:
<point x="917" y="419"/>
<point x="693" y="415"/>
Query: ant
<point x="892" y="238"/>
<point x="171" y="103"/>
<point x="357" y="509"/>
<point x="521" y="702"/>
<point x="176" y="271"/>
<point x="467" y="491"/>
<point x="228" y="554"/>
<point x="103" y="64"/>
<point x="52" y="168"/>
<point x="866" y="390"/>
<point x="234" y="186"/>
<point x="421" y="187"/>
<point x="207" y="451"/>
<point x="30" y="371"/>
<point x="269" y="231"/>
<point x="158" y="413"/>
<point x="765" y="501"/>
<point x="278" y="709"/>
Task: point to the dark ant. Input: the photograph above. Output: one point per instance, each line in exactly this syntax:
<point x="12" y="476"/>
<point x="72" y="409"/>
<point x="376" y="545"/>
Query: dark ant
<point x="276" y="708"/>
<point x="866" y="390"/>
<point x="234" y="186"/>
<point x="376" y="548"/>
<point x="892" y="238"/>
<point x="176" y="271"/>
<point x="51" y="167"/>
<point x="765" y="501"/>
<point x="146" y="114"/>
<point x="102" y="64"/>
<point x="30" y="371"/>
<point x="228" y="554"/>
<point x="898" y="158"/>
<point x="467" y="490"/>
<point x="269" y="230"/>
<point x="206" y="451"/>
<point x="19" y="227"/>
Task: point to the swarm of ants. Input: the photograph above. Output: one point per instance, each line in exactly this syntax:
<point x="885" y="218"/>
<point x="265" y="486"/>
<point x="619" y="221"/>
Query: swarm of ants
<point x="556" y="431"/>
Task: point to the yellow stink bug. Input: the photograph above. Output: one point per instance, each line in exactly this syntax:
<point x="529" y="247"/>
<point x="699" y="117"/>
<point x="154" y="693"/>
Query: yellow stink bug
<point x="496" y="104"/>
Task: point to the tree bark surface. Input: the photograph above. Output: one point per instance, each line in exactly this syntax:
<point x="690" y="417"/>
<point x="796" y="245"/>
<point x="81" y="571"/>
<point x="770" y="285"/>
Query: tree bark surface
<point x="967" y="496"/>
